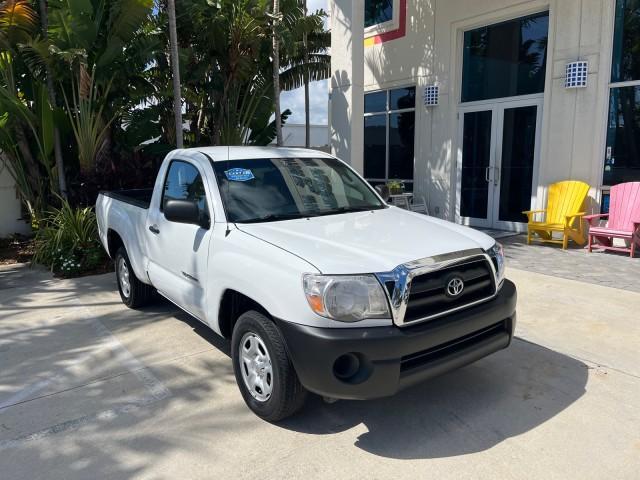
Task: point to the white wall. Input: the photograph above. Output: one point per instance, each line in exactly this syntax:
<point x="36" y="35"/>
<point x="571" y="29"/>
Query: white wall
<point x="10" y="211"/>
<point x="574" y="121"/>
<point x="346" y="104"/>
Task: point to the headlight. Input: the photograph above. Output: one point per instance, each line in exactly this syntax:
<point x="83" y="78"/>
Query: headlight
<point x="346" y="298"/>
<point x="497" y="257"/>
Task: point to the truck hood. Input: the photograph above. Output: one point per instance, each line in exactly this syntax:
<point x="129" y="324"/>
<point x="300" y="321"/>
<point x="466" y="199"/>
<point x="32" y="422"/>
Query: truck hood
<point x="367" y="242"/>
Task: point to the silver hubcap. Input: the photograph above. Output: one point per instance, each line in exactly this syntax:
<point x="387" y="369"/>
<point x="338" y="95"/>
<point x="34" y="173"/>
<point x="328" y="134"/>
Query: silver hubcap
<point x="255" y="364"/>
<point x="123" y="276"/>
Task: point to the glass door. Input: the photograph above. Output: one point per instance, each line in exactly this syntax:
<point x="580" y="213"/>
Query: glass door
<point x="475" y="161"/>
<point x="497" y="163"/>
<point x="516" y="163"/>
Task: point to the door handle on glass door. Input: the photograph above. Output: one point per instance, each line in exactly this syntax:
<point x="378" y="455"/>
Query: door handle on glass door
<point x="154" y="229"/>
<point x="496" y="177"/>
<point x="486" y="174"/>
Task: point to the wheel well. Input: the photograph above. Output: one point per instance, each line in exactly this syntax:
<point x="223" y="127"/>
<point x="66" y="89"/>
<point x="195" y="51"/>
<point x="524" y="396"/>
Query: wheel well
<point x="232" y="305"/>
<point x="114" y="242"/>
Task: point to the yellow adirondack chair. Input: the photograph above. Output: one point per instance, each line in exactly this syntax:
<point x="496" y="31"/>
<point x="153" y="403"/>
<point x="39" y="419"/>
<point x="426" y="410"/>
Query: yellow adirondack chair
<point x="563" y="214"/>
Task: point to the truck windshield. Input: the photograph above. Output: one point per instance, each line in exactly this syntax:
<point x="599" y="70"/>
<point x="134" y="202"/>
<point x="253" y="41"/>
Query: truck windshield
<point x="272" y="189"/>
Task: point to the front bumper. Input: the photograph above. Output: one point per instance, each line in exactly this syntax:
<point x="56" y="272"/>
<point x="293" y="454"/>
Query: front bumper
<point x="388" y="359"/>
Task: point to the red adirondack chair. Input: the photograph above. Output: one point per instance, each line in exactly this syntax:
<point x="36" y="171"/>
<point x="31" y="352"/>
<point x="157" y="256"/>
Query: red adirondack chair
<point x="623" y="220"/>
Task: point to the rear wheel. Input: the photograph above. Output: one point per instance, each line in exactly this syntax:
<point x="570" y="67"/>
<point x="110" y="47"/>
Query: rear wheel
<point x="264" y="373"/>
<point x="133" y="292"/>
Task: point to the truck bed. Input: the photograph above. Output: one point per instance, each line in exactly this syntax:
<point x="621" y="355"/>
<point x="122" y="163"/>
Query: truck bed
<point x="139" y="197"/>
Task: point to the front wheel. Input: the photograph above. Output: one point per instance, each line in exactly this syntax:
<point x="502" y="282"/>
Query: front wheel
<point x="264" y="373"/>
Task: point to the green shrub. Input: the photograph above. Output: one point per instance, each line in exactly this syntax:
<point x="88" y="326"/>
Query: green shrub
<point x="67" y="241"/>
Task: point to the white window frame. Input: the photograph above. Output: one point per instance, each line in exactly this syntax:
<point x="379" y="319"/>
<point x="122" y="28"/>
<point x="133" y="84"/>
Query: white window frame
<point x="388" y="26"/>
<point x="387" y="112"/>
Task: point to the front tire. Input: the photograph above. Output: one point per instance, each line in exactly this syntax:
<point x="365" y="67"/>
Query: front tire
<point x="264" y="373"/>
<point x="133" y="292"/>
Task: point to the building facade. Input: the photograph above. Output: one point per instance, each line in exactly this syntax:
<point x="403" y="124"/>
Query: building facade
<point x="478" y="105"/>
<point x="11" y="214"/>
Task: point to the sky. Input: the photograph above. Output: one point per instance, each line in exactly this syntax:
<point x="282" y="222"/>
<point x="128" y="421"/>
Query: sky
<point x="318" y="91"/>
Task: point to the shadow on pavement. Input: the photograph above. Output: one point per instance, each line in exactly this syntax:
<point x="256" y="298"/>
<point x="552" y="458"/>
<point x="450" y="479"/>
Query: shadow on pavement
<point x="466" y="411"/>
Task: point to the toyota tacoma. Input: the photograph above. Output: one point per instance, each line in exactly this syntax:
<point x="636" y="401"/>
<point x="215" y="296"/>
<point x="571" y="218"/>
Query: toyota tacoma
<point x="317" y="282"/>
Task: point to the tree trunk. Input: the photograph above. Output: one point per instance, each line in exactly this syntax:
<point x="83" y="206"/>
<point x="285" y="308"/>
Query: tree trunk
<point x="307" y="125"/>
<point x="31" y="166"/>
<point x="57" y="147"/>
<point x="276" y="71"/>
<point x="175" y="70"/>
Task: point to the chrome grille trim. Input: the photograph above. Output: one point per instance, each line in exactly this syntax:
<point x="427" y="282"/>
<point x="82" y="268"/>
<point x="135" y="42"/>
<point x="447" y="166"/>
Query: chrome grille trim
<point x="402" y="275"/>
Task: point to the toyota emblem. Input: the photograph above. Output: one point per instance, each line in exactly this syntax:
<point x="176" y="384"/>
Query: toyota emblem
<point x="455" y="287"/>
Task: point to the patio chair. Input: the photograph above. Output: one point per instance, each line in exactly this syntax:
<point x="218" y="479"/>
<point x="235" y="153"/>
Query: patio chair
<point x="563" y="214"/>
<point x="401" y="201"/>
<point x="623" y="220"/>
<point x="419" y="205"/>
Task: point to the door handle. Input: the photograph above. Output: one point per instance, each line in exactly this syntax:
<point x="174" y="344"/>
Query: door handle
<point x="154" y="229"/>
<point x="486" y="174"/>
<point x="496" y="177"/>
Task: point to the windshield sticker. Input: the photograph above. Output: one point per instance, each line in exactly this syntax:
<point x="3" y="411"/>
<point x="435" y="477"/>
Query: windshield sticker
<point x="239" y="175"/>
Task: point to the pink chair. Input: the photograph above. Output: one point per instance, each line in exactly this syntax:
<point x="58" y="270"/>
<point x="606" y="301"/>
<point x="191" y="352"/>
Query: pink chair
<point x="623" y="220"/>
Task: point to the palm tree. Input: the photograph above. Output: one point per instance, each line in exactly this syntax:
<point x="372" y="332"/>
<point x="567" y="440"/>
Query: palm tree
<point x="57" y="148"/>
<point x="175" y="68"/>
<point x="305" y="46"/>
<point x="306" y="55"/>
<point x="276" y="71"/>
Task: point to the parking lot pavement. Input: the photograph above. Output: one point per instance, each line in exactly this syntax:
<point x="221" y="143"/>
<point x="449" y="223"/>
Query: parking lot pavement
<point x="90" y="389"/>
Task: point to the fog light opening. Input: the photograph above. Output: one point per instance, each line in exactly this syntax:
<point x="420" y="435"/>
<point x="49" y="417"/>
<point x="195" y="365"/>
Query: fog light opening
<point x="346" y="366"/>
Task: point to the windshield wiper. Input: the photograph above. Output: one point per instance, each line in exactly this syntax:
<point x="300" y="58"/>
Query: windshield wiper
<point x="335" y="211"/>
<point x="274" y="217"/>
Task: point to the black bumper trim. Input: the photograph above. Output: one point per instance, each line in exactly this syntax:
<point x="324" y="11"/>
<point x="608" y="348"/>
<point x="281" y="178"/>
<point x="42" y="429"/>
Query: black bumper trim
<point x="445" y="344"/>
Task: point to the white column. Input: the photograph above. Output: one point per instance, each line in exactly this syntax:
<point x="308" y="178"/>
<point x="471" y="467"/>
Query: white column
<point x="346" y="122"/>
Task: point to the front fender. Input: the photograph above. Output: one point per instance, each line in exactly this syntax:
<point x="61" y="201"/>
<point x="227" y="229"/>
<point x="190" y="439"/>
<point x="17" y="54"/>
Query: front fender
<point x="263" y="272"/>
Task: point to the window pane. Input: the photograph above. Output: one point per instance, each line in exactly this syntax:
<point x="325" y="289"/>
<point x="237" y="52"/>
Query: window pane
<point x="476" y="158"/>
<point x="626" y="42"/>
<point x="506" y="59"/>
<point x="377" y="11"/>
<point x="184" y="183"/>
<point x="375" y="102"/>
<point x="375" y="146"/>
<point x="623" y="136"/>
<point x="401" y="130"/>
<point x="402" y="98"/>
<point x="516" y="173"/>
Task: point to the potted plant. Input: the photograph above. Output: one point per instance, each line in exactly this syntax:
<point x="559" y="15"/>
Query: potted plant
<point x="396" y="187"/>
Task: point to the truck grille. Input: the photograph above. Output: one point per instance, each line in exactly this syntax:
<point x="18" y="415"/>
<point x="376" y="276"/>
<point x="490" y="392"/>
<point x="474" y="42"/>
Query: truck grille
<point x="434" y="294"/>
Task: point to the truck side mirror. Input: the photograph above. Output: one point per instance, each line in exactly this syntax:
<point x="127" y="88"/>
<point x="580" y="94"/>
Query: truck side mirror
<point x="184" y="211"/>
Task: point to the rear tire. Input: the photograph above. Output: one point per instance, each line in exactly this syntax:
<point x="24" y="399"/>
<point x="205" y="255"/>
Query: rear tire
<point x="133" y="292"/>
<point x="264" y="373"/>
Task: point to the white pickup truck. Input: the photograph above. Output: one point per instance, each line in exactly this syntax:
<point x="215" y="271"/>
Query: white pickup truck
<point x="318" y="283"/>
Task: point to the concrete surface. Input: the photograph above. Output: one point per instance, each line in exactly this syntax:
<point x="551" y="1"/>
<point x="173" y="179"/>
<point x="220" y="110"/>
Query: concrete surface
<point x="90" y="389"/>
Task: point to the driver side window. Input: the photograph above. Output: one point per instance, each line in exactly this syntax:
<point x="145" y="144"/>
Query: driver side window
<point x="184" y="182"/>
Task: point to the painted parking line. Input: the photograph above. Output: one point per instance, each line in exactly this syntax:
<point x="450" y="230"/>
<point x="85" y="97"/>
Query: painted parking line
<point x="156" y="390"/>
